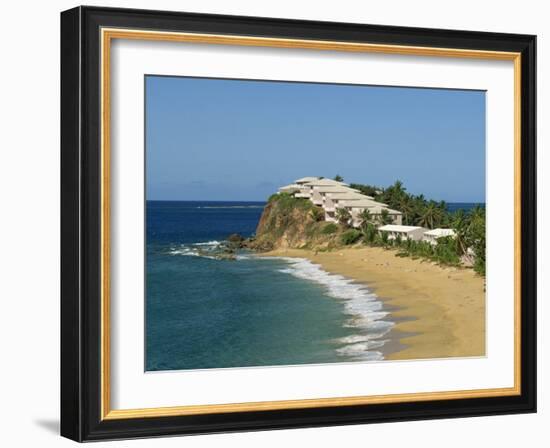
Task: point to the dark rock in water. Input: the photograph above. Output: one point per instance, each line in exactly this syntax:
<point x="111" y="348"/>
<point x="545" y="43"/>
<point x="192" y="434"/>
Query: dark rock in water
<point x="261" y="246"/>
<point x="235" y="238"/>
<point x="225" y="256"/>
<point x="235" y="241"/>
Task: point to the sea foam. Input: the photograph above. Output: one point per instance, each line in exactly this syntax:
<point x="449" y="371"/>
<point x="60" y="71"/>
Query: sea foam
<point x="364" y="310"/>
<point x="362" y="307"/>
<point x="203" y="249"/>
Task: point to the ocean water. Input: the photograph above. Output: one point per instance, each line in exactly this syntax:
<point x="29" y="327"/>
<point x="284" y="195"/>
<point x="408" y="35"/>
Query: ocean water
<point x="202" y="312"/>
<point x="466" y="206"/>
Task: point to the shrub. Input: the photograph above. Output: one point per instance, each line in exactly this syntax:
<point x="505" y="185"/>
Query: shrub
<point x="317" y="214"/>
<point x="329" y="229"/>
<point x="445" y="251"/>
<point x="285" y="202"/>
<point x="479" y="265"/>
<point x="398" y="240"/>
<point x="370" y="233"/>
<point x="351" y="236"/>
<point x="343" y="216"/>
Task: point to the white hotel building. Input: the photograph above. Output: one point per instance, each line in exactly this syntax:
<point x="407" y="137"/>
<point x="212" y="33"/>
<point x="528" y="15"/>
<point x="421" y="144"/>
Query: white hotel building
<point x="331" y="195"/>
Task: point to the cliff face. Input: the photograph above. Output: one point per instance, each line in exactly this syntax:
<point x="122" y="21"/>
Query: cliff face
<point x="287" y="222"/>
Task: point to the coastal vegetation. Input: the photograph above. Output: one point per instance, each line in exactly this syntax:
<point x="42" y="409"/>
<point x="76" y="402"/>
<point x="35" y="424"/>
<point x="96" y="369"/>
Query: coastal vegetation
<point x="290" y="222"/>
<point x="351" y="236"/>
<point x="467" y="247"/>
<point x="329" y="229"/>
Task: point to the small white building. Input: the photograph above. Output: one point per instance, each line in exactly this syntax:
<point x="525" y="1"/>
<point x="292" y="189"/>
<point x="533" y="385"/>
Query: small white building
<point x="431" y="236"/>
<point x="405" y="232"/>
<point x="292" y="188"/>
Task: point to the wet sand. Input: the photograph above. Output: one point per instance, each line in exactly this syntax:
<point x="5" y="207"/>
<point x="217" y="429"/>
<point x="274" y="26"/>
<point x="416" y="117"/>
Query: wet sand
<point x="439" y="311"/>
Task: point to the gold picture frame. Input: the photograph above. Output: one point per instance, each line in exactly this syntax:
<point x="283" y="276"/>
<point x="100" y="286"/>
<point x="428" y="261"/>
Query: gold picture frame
<point x="108" y="30"/>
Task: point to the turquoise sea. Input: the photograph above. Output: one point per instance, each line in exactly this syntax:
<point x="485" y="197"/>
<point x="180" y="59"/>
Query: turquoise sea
<point x="202" y="312"/>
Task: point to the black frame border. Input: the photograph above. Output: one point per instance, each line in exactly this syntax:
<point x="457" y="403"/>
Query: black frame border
<point x="81" y="223"/>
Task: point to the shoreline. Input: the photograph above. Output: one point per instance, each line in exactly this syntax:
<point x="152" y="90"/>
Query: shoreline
<point x="438" y="311"/>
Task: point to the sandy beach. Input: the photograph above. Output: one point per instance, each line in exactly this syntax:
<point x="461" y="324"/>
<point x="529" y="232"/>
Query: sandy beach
<point x="439" y="311"/>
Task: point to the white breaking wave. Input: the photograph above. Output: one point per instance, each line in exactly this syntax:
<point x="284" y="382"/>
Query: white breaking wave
<point x="196" y="249"/>
<point x="364" y="309"/>
<point x="189" y="252"/>
<point x="208" y="243"/>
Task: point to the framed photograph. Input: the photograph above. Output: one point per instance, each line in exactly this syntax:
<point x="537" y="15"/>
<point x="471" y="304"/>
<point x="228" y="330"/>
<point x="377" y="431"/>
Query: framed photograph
<point x="273" y="223"/>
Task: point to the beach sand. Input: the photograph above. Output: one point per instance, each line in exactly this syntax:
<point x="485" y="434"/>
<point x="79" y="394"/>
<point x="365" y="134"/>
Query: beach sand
<point x="439" y="311"/>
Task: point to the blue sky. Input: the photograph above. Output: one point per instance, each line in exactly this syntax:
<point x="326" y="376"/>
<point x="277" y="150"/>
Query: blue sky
<point x="213" y="139"/>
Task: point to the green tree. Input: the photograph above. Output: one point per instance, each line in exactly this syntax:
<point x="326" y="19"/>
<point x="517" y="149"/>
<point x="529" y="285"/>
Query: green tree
<point x="459" y="222"/>
<point x="394" y="194"/>
<point x="366" y="218"/>
<point x="397" y="189"/>
<point x="405" y="206"/>
<point x="430" y="216"/>
<point x="384" y="217"/>
<point x="343" y="216"/>
<point x="370" y="232"/>
<point x="368" y="190"/>
<point x="338" y="178"/>
<point x="350" y="236"/>
<point x="477" y="238"/>
<point x="317" y="214"/>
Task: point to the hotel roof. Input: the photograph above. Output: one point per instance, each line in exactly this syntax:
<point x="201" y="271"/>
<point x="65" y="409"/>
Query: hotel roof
<point x="348" y="195"/>
<point x="334" y="189"/>
<point x="378" y="210"/>
<point x="291" y="187"/>
<point x="306" y="179"/>
<point x="363" y="203"/>
<point x="322" y="182"/>
<point x="398" y="228"/>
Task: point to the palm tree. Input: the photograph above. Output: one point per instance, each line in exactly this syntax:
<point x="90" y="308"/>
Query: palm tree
<point x="394" y="193"/>
<point x="365" y="217"/>
<point x="430" y="215"/>
<point x="477" y="214"/>
<point x="317" y="214"/>
<point x="398" y="188"/>
<point x="459" y="223"/>
<point x="338" y="178"/>
<point x="343" y="216"/>
<point x="370" y="232"/>
<point x="385" y="217"/>
<point x="406" y="208"/>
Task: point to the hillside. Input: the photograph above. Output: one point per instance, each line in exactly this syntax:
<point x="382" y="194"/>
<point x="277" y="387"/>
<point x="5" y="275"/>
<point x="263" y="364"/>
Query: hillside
<point x="292" y="223"/>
